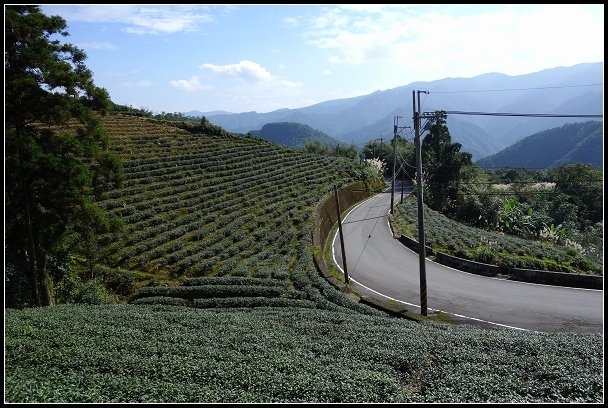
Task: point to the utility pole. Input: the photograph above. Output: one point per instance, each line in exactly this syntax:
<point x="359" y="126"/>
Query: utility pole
<point x="421" y="243"/>
<point x="402" y="181"/>
<point x="395" y="121"/>
<point x="341" y="235"/>
<point x="396" y="129"/>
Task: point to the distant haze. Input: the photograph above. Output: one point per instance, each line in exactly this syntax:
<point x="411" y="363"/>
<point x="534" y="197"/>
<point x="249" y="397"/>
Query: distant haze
<point x="562" y="90"/>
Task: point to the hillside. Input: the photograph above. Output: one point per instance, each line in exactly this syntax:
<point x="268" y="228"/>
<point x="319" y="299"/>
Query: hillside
<point x="232" y="216"/>
<point x="561" y="90"/>
<point x="570" y="143"/>
<point x="199" y="205"/>
<point x="291" y="134"/>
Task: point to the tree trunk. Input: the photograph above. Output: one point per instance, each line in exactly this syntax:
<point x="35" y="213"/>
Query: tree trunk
<point x="30" y="250"/>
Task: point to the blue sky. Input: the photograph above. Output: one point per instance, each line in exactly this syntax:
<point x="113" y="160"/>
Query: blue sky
<point x="241" y="58"/>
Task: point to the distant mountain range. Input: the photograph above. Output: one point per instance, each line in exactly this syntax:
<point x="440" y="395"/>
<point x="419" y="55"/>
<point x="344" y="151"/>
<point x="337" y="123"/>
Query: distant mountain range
<point x="570" y="143"/>
<point x="293" y="134"/>
<point x="563" y="90"/>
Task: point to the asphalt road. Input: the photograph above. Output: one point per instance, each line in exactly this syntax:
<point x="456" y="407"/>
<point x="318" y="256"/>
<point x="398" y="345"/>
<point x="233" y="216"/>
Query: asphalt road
<point x="379" y="266"/>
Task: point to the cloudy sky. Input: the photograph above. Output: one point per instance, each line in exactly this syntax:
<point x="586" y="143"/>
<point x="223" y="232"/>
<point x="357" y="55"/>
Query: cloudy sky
<point x="241" y="58"/>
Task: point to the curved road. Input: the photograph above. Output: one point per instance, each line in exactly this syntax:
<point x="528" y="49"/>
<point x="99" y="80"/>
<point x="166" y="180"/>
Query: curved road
<point x="381" y="267"/>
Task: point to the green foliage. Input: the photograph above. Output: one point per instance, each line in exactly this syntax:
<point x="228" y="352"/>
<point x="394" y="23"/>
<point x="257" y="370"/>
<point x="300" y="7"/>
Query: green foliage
<point x="51" y="172"/>
<point x="173" y="354"/>
<point x="296" y="135"/>
<point x="475" y="203"/>
<point x="203" y="126"/>
<point x="130" y="110"/>
<point x="454" y="238"/>
<point x="383" y="150"/>
<point x="71" y="289"/>
<point x="442" y="161"/>
<point x="583" y="184"/>
<point x="485" y="254"/>
<point x="347" y="151"/>
<point x="316" y="147"/>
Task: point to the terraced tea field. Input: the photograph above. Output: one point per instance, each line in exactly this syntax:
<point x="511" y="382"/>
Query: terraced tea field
<point x="213" y="205"/>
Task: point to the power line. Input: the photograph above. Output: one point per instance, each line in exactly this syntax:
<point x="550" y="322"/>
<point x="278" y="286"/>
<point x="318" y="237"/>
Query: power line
<point x="518" y="89"/>
<point x="533" y="115"/>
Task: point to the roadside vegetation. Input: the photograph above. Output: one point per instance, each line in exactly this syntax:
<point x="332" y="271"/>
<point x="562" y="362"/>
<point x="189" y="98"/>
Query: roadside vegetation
<point x="450" y="237"/>
<point x="549" y="219"/>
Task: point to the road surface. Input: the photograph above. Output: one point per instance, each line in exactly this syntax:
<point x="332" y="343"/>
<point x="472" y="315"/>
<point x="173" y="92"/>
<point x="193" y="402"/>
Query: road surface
<point x="379" y="266"/>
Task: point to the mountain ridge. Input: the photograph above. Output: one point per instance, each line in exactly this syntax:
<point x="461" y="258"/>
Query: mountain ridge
<point x="570" y="143"/>
<point x="573" y="90"/>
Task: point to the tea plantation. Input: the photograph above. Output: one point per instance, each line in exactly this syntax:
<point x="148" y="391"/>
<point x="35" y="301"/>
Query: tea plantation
<point x="221" y="300"/>
<point x="137" y="353"/>
<point x="453" y="238"/>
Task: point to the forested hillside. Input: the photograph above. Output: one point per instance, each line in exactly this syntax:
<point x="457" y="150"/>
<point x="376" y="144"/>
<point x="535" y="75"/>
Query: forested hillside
<point x="570" y="143"/>
<point x="293" y="134"/>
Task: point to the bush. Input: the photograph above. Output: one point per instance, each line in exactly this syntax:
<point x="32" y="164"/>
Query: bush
<point x="485" y="254"/>
<point x="72" y="290"/>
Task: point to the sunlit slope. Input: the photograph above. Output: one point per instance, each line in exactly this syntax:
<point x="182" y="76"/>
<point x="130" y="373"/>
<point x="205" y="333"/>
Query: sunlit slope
<point x="213" y="205"/>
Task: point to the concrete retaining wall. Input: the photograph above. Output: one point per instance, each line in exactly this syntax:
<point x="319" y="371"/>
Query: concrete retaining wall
<point x="525" y="275"/>
<point x="326" y="216"/>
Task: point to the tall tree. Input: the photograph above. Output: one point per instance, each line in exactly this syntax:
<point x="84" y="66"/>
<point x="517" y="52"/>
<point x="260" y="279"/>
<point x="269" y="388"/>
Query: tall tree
<point x="442" y="161"/>
<point x="56" y="152"/>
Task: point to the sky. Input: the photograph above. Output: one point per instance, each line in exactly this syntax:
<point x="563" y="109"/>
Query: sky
<point x="241" y="58"/>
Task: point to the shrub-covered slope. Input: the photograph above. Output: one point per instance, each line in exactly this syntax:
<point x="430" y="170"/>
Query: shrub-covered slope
<point x="164" y="354"/>
<point x="454" y="238"/>
<point x="293" y="134"/>
<point x="216" y="206"/>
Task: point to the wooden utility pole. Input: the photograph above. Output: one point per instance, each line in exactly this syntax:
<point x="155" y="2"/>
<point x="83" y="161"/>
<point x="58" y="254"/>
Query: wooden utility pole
<point x="396" y="118"/>
<point x="421" y="243"/>
<point x="396" y="129"/>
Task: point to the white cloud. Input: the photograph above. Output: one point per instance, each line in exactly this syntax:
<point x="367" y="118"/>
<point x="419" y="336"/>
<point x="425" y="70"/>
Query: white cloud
<point x="252" y="73"/>
<point x="327" y="72"/>
<point x="462" y="41"/>
<point x="140" y="19"/>
<point x="291" y="22"/>
<point x="289" y="84"/>
<point x="247" y="70"/>
<point x="189" y="85"/>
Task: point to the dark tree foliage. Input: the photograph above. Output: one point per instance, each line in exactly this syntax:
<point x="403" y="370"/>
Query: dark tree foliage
<point x="348" y="151"/>
<point x="442" y="163"/>
<point x="583" y="186"/>
<point x="56" y="152"/>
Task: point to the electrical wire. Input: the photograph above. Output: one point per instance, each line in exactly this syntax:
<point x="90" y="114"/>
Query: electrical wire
<point x="531" y="115"/>
<point x="518" y="89"/>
